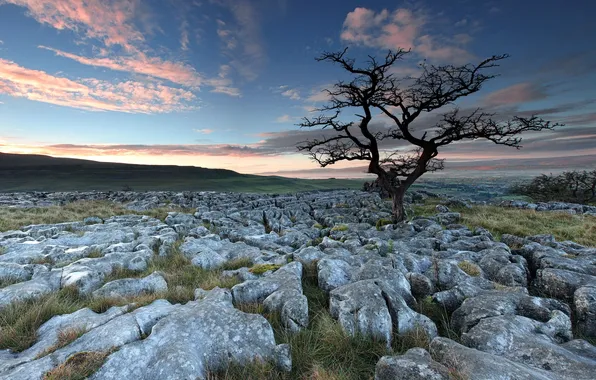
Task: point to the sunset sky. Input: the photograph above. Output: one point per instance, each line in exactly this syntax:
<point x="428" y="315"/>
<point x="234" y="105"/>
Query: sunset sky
<point x="222" y="83"/>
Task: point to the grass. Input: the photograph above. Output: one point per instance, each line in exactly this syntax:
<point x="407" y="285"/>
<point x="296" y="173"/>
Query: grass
<point x="439" y="315"/>
<point x="340" y="227"/>
<point x="500" y="220"/>
<point x="9" y="281"/>
<point x="79" y="366"/>
<point x="14" y="218"/>
<point x="262" y="268"/>
<point x="469" y="268"/>
<point x="383" y="222"/>
<point x="242" y="262"/>
<point x="65" y="337"/>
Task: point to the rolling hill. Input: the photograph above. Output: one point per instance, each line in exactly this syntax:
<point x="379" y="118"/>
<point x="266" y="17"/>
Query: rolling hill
<point x="21" y="172"/>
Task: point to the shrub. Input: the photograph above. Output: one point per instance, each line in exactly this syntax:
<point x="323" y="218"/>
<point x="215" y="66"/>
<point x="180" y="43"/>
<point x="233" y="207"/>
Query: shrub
<point x="572" y="186"/>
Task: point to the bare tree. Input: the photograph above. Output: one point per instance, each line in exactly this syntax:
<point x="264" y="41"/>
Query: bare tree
<point x="375" y="89"/>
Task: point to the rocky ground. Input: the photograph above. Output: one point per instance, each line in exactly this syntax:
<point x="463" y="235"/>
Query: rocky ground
<point x="518" y="308"/>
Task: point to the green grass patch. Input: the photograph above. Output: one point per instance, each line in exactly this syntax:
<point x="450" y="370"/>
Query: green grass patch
<point x="262" y="268"/>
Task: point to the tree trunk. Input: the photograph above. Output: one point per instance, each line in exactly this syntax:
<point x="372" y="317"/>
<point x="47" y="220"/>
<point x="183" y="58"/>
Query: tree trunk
<point x="399" y="214"/>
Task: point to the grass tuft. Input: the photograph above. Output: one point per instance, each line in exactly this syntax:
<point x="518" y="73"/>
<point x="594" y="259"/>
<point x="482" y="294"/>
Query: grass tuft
<point x="262" y="268"/>
<point x="340" y="227"/>
<point x="383" y="222"/>
<point x="65" y="337"/>
<point x="242" y="262"/>
<point x="470" y="268"/>
<point x="79" y="366"/>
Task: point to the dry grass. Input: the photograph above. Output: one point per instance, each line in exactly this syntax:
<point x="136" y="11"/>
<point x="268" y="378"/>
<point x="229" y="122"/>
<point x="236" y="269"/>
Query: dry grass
<point x="65" y="337"/>
<point x="243" y="262"/>
<point x="8" y="281"/>
<point x="78" y="367"/>
<point x="469" y="268"/>
<point x="14" y="218"/>
<point x="500" y="220"/>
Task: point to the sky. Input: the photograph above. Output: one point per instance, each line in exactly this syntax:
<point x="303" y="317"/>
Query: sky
<point x="223" y="83"/>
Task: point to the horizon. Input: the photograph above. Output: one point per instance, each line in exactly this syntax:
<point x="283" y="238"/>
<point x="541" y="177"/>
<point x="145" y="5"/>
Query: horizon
<point x="222" y="83"/>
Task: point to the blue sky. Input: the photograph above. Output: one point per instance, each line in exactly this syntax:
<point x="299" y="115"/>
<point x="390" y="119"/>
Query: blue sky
<point x="222" y="83"/>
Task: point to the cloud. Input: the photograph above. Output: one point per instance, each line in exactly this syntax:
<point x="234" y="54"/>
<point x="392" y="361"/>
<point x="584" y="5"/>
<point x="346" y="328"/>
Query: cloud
<point x="204" y="131"/>
<point x="175" y="72"/>
<point x="112" y="22"/>
<point x="285" y="119"/>
<point x="92" y="94"/>
<point x="441" y="50"/>
<point x="403" y="28"/>
<point x="242" y="41"/>
<point x="184" y="35"/>
<point x="384" y="29"/>
<point x="516" y="94"/>
<point x="292" y="94"/>
<point x="108" y="21"/>
<point x="140" y="63"/>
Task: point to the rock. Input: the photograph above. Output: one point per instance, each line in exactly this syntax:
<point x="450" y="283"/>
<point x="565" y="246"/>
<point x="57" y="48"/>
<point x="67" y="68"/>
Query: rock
<point x="415" y="364"/>
<point x="280" y="291"/>
<point x="532" y="343"/>
<point x="199" y="336"/>
<point x="92" y="220"/>
<point x="561" y="283"/>
<point x="333" y="273"/>
<point x="584" y="301"/>
<point x="373" y="308"/>
<point x="442" y="209"/>
<point x="420" y="284"/>
<point x="473" y="364"/>
<point x="129" y="287"/>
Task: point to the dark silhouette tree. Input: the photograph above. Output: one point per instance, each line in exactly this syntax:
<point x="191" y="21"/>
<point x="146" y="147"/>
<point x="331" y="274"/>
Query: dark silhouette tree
<point x="373" y="88"/>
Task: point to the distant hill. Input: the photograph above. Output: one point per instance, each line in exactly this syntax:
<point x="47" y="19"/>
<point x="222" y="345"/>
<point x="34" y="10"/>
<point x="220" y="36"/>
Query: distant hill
<point x="23" y="172"/>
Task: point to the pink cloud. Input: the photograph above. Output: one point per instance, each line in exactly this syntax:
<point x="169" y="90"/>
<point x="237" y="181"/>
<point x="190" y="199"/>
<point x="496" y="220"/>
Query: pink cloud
<point x="385" y="30"/>
<point x="108" y="21"/>
<point x="140" y="63"/>
<point x="518" y="93"/>
<point x="175" y="72"/>
<point x="402" y="28"/>
<point x="112" y="22"/>
<point x="91" y="94"/>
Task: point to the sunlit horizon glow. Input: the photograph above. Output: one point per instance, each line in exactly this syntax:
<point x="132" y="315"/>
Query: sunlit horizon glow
<point x="222" y="83"/>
